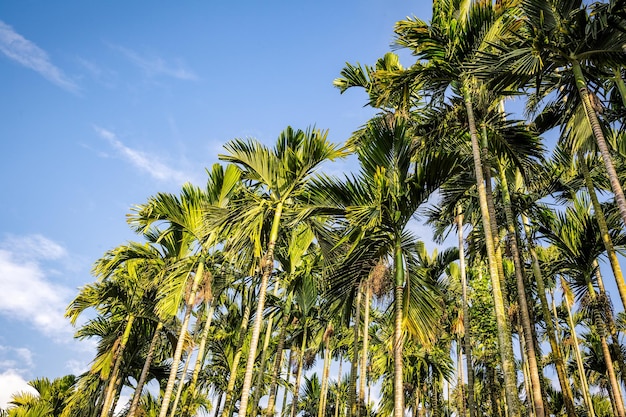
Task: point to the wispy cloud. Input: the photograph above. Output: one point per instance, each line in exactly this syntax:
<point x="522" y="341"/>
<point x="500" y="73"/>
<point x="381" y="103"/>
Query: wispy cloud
<point x="154" y="66"/>
<point x="28" y="54"/>
<point x="142" y="160"/>
<point x="28" y="295"/>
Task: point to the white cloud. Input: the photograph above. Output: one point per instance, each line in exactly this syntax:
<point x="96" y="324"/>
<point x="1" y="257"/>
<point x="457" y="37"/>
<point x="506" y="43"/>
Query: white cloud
<point x="145" y="162"/>
<point x="27" y="293"/>
<point x="11" y="382"/>
<point x="28" y="54"/>
<point x="157" y="66"/>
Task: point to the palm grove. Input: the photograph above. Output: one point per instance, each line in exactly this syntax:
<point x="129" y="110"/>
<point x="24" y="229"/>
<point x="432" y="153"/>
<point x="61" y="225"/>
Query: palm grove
<point x="239" y="295"/>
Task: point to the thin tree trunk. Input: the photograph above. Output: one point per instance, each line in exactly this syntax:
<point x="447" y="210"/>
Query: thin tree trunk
<point x="526" y="371"/>
<point x="296" y="388"/>
<point x="117" y="363"/>
<point x="584" y="385"/>
<point x="353" y="408"/>
<point x="268" y="267"/>
<point x="364" y="350"/>
<point x="169" y="388"/>
<point x="337" y="400"/>
<point x="581" y="84"/>
<point x="277" y="363"/>
<point x="144" y="371"/>
<point x="460" y="381"/>
<point x="555" y="346"/>
<point x="610" y="370"/>
<point x="610" y="324"/>
<point x="199" y="360"/>
<point x="284" y="405"/>
<point x="181" y="383"/>
<point x="269" y="327"/>
<point x="321" y="410"/>
<point x="604" y="231"/>
<point x="467" y="343"/>
<point x="398" y="340"/>
<point x="533" y="366"/>
<point x="504" y="342"/>
<point x="219" y="405"/>
<point x="229" y="402"/>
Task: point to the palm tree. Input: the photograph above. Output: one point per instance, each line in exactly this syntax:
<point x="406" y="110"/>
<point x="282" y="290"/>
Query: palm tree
<point x="378" y="206"/>
<point x="50" y="400"/>
<point x="561" y="47"/>
<point x="276" y="180"/>
<point x="457" y="33"/>
<point x="184" y="216"/>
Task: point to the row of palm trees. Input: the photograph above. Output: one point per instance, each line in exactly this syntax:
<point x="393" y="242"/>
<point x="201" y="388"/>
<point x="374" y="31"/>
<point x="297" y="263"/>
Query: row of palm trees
<point x="238" y="287"/>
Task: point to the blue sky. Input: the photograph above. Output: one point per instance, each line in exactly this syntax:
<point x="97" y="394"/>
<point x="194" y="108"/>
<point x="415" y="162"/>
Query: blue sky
<point x="106" y="103"/>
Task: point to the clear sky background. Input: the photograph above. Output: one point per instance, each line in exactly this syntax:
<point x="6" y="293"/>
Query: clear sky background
<point x="106" y="103"/>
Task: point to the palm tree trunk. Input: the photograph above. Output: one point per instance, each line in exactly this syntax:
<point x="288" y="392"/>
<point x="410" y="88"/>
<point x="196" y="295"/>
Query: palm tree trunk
<point x="467" y="344"/>
<point x="321" y="411"/>
<point x="296" y="387"/>
<point x="364" y="350"/>
<point x="219" y="405"/>
<point x="169" y="388"/>
<point x="117" y="363"/>
<point x="526" y="371"/>
<point x="610" y="323"/>
<point x="604" y="231"/>
<point x="584" y="385"/>
<point x="229" y="402"/>
<point x="199" y="359"/>
<point x="269" y="328"/>
<point x="504" y="342"/>
<point x="398" y="340"/>
<point x="610" y="369"/>
<point x="267" y="267"/>
<point x="460" y="381"/>
<point x="557" y="353"/>
<point x="353" y="408"/>
<point x="144" y="371"/>
<point x="278" y="360"/>
<point x="533" y="366"/>
<point x="286" y="392"/>
<point x="581" y="83"/>
<point x="181" y="383"/>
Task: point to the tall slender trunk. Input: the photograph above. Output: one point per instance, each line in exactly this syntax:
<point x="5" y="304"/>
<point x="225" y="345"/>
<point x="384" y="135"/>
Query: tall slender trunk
<point x="321" y="410"/>
<point x="528" y="386"/>
<point x="144" y="371"/>
<point x="296" y="387"/>
<point x="364" y="350"/>
<point x="610" y="324"/>
<point x="460" y="381"/>
<point x="229" y="402"/>
<point x="504" y="342"/>
<point x="604" y="231"/>
<point x="219" y="405"/>
<point x="533" y="366"/>
<point x="581" y="84"/>
<point x="278" y="360"/>
<point x="169" y="388"/>
<point x="269" y="328"/>
<point x="557" y="353"/>
<point x="353" y="408"/>
<point x="398" y="340"/>
<point x="181" y="383"/>
<point x="584" y="385"/>
<point x="467" y="341"/>
<point x="117" y="363"/>
<point x="610" y="369"/>
<point x="337" y="399"/>
<point x="199" y="360"/>
<point x="284" y="405"/>
<point x="268" y="267"/>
